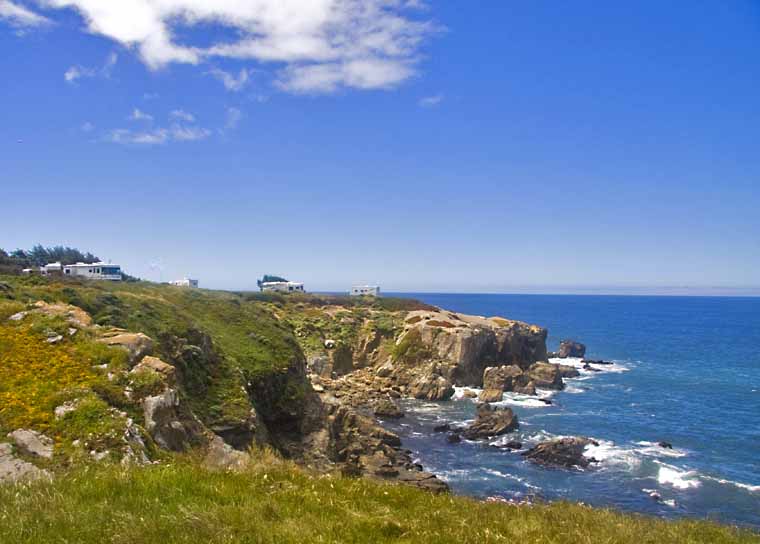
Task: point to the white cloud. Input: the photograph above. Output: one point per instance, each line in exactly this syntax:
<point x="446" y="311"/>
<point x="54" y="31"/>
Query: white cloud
<point x="317" y="45"/>
<point x="182" y="115"/>
<point x="180" y="130"/>
<point x="234" y="116"/>
<point x="78" y="72"/>
<point x="139" y="115"/>
<point x="19" y="16"/>
<point x="230" y="81"/>
<point x="126" y="136"/>
<point x="430" y="101"/>
<point x="189" y="134"/>
<point x="87" y="127"/>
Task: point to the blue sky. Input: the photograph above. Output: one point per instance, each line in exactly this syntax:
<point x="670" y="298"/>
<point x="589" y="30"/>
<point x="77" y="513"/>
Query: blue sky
<point x="439" y="146"/>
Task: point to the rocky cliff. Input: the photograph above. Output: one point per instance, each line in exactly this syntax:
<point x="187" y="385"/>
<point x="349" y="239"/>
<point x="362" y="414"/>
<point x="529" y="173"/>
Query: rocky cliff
<point x="165" y="369"/>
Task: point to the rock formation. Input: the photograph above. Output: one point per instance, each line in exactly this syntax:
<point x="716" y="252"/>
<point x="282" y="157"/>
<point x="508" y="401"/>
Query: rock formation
<point x="491" y="421"/>
<point x="562" y="452"/>
<point x="571" y="348"/>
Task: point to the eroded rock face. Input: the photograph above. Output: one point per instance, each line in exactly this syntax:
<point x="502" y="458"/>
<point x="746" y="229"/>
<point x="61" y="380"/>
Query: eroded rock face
<point x="546" y="375"/>
<point x="571" y="348"/>
<point x="497" y="380"/>
<point x="13" y="469"/>
<point x="562" y="452"/>
<point x="432" y="387"/>
<point x="491" y="421"/>
<point x="337" y="434"/>
<point x="469" y="344"/>
<point x="162" y="421"/>
<point x="32" y="443"/>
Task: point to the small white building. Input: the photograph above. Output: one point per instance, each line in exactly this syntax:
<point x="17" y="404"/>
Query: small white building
<point x="283" y="286"/>
<point x="365" y="291"/>
<point x="94" y="271"/>
<point x="51" y="269"/>
<point x="185" y="282"/>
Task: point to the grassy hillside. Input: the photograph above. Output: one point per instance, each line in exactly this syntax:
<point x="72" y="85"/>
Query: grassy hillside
<point x="275" y="502"/>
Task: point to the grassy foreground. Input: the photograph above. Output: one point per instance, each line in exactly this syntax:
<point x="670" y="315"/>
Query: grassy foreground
<point x="274" y="501"/>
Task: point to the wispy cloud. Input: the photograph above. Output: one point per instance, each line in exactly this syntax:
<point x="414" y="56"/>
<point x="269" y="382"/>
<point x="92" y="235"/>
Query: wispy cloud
<point x="430" y="101"/>
<point x="318" y="46"/>
<point x="126" y="136"/>
<point x="234" y="116"/>
<point x="181" y="129"/>
<point x="182" y="115"/>
<point x="231" y="81"/>
<point x="87" y="127"/>
<point x="77" y="72"/>
<point x="20" y="16"/>
<point x="139" y="115"/>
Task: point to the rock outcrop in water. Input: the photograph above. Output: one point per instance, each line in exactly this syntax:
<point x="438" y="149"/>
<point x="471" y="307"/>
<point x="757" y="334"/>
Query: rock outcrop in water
<point x="571" y="348"/>
<point x="490" y="422"/>
<point x="562" y="453"/>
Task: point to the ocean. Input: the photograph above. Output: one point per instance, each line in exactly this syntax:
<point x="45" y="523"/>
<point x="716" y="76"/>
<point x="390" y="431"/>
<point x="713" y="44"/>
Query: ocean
<point x="687" y="371"/>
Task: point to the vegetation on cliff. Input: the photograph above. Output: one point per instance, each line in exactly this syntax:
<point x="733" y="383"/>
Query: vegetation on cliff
<point x="233" y="354"/>
<point x="276" y="502"/>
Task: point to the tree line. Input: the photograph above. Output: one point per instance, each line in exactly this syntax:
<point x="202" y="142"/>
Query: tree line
<point x="15" y="261"/>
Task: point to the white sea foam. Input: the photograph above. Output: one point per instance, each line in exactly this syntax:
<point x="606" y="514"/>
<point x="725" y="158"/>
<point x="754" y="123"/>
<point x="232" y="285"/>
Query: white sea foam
<point x="748" y="487"/>
<point x="512" y="477"/>
<point x="459" y="393"/>
<point x="651" y="449"/>
<point x="516" y="399"/>
<point x="676" y="477"/>
<point x="578" y="364"/>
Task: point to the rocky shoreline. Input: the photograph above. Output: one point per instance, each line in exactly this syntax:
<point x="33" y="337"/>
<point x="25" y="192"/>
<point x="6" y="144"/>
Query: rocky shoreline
<point x="341" y="390"/>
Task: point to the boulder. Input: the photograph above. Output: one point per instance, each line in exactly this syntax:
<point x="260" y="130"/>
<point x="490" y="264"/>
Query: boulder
<point x="546" y="376"/>
<point x="137" y="345"/>
<point x="75" y="316"/>
<point x="154" y="364"/>
<point x="386" y="408"/>
<point x="222" y="456"/>
<point x="469" y="394"/>
<point x="568" y="371"/>
<point x="561" y="452"/>
<point x="32" y="443"/>
<point x="505" y="378"/>
<point x="571" y="348"/>
<point x="432" y="387"/>
<point x="527" y="389"/>
<point x="491" y="395"/>
<point x="13" y="469"/>
<point x="491" y="421"/>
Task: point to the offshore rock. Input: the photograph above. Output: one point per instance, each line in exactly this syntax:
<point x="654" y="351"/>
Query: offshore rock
<point x="491" y="421"/>
<point x="546" y="375"/>
<point x="571" y="348"/>
<point x="562" y="452"/>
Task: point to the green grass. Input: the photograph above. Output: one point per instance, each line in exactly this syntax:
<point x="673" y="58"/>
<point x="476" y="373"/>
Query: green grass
<point x="275" y="502"/>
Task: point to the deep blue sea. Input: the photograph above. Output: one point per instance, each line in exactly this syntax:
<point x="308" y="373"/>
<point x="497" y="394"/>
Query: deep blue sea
<point x="687" y="371"/>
